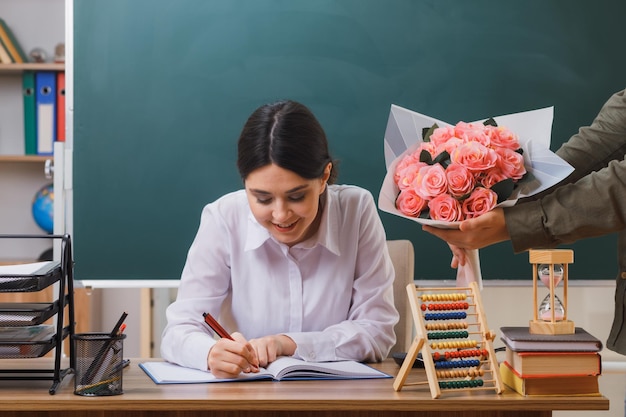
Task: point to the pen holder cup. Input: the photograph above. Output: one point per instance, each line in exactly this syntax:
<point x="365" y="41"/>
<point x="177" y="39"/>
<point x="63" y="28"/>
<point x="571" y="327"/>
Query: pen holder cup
<point x="99" y="364"/>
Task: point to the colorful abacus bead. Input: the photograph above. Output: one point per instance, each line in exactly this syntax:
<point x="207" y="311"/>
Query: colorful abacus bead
<point x="465" y="383"/>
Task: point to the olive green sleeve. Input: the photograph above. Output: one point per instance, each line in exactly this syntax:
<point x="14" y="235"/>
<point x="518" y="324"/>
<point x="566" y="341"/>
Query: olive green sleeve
<point x="592" y="201"/>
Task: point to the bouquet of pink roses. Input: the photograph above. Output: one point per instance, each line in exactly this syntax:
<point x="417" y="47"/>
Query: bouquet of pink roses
<point x="440" y="174"/>
<point x="431" y="163"/>
<point x="459" y="172"/>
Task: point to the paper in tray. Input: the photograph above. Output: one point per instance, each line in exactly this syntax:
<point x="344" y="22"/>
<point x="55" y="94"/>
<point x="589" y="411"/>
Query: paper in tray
<point x="29" y="277"/>
<point x="26" y="314"/>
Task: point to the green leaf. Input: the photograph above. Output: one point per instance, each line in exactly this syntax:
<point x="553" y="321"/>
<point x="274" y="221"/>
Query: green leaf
<point x="503" y="189"/>
<point x="490" y="122"/>
<point x="425" y="157"/>
<point x="426" y="132"/>
<point x="443" y="158"/>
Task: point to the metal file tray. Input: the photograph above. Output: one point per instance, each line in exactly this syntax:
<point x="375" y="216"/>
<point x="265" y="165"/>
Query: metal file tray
<point x="24" y="332"/>
<point x="26" y="349"/>
<point x="35" y="281"/>
<point x="26" y="314"/>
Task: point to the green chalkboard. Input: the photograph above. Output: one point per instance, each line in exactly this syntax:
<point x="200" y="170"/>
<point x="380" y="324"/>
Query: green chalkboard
<point x="162" y="89"/>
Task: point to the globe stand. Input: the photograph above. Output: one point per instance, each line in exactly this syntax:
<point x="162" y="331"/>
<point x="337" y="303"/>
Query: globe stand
<point x="553" y="325"/>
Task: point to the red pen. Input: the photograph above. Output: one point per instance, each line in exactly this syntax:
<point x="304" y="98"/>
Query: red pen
<point x="217" y="328"/>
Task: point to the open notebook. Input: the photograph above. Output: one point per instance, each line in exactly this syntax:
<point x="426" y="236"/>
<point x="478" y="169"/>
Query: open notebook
<point x="283" y="368"/>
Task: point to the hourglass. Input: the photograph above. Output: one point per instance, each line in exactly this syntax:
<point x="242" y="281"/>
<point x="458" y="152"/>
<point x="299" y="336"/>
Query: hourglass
<point x="550" y="267"/>
<point x="551" y="309"/>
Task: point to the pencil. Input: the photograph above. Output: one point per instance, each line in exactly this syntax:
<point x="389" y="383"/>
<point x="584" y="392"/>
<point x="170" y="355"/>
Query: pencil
<point x="217" y="328"/>
<point x="83" y="388"/>
<point x="116" y="329"/>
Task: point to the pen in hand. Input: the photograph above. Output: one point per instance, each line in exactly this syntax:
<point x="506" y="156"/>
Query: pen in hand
<point x="217" y="328"/>
<point x="221" y="332"/>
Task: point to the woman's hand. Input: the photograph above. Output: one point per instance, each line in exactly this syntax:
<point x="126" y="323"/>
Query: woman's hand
<point x="477" y="233"/>
<point x="268" y="348"/>
<point x="458" y="256"/>
<point x="228" y="358"/>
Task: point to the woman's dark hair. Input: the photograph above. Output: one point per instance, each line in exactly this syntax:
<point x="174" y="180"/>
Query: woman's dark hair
<point x="287" y="134"/>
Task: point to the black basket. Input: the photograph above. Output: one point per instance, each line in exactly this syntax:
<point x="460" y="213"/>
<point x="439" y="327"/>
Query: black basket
<point x="99" y="364"/>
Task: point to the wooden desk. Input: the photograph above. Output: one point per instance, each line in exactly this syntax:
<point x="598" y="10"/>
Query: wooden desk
<point x="374" y="397"/>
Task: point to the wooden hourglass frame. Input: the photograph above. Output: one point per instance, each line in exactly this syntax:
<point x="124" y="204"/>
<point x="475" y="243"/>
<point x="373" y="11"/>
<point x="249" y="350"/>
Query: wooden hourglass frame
<point x="551" y="257"/>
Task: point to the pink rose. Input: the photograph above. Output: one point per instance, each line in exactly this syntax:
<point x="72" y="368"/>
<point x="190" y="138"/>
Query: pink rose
<point x="426" y="146"/>
<point x="406" y="176"/>
<point x="460" y="180"/>
<point x="450" y="145"/>
<point x="406" y="161"/>
<point x="479" y="202"/>
<point x="441" y="135"/>
<point x="474" y="156"/>
<point x="430" y="181"/>
<point x="511" y="163"/>
<point x="492" y="177"/>
<point x="501" y="137"/>
<point x="445" y="208"/>
<point x="472" y="132"/>
<point x="410" y="203"/>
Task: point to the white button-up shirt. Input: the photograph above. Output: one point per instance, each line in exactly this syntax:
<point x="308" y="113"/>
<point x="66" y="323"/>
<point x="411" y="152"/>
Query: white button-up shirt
<point x="332" y="294"/>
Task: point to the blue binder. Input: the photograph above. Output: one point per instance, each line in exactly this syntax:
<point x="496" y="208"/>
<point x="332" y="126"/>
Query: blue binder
<point x="45" y="82"/>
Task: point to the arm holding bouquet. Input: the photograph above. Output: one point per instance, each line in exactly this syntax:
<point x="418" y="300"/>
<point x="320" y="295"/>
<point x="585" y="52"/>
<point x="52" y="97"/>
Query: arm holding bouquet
<point x="590" y="202"/>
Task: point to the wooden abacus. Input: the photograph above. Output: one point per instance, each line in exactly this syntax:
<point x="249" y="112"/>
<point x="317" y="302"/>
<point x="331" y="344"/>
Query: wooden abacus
<point x="466" y="363"/>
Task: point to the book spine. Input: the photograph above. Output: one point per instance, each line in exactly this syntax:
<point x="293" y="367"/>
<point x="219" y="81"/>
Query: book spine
<point x="60" y="106"/>
<point x="11" y="43"/>
<point x="30" y="120"/>
<point x="5" y="58"/>
<point x="45" y="82"/>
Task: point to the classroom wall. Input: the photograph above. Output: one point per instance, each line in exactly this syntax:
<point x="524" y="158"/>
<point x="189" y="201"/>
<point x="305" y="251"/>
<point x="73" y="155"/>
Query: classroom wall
<point x="506" y="303"/>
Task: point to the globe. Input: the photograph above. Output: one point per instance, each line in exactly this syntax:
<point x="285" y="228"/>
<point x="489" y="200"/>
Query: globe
<point x="42" y="208"/>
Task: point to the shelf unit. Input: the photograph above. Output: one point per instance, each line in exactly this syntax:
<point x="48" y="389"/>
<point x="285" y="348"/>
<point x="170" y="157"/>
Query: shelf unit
<point x="35" y="24"/>
<point x="20" y="175"/>
<point x="16" y="71"/>
<point x="26" y="158"/>
<point x="33" y="66"/>
<point x="24" y="317"/>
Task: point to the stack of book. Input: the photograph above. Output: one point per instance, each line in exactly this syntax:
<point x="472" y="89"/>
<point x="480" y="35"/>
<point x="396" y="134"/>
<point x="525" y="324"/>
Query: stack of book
<point x="10" y="50"/>
<point x="535" y="364"/>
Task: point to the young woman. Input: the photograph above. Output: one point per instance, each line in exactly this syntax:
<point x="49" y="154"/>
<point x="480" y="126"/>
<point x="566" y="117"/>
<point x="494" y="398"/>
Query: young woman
<point x="292" y="264"/>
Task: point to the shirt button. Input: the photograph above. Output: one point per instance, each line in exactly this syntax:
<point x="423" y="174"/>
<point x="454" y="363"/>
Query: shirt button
<point x="623" y="275"/>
